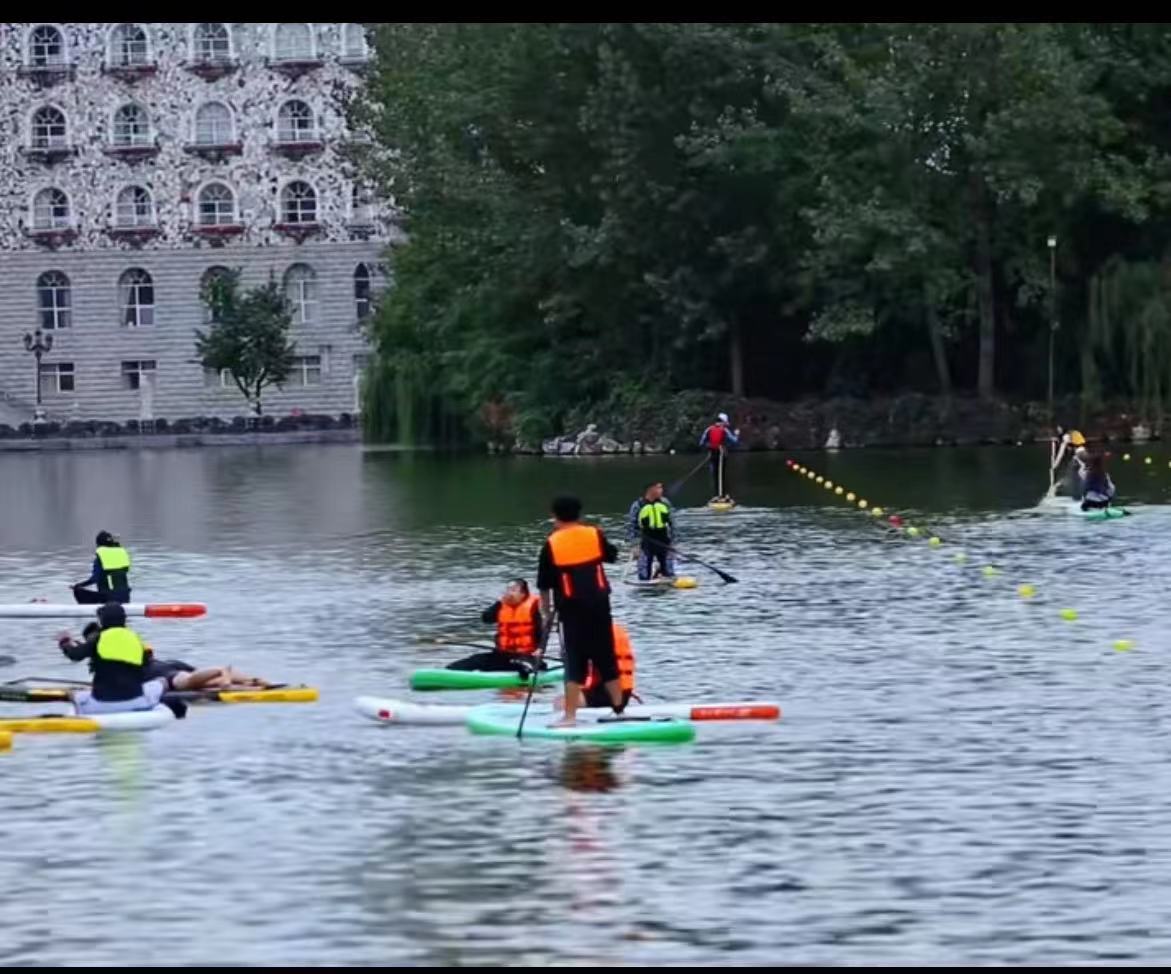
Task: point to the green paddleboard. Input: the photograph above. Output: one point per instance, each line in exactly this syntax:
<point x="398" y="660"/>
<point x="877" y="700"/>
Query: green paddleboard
<point x="479" y="679"/>
<point x="502" y="720"/>
<point x="1104" y="513"/>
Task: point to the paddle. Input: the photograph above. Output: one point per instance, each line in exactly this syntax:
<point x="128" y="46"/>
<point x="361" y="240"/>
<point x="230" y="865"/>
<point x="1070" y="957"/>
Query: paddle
<point x="484" y="646"/>
<point x="47" y="679"/>
<point x="677" y="485"/>
<point x="727" y="579"/>
<point x="533" y="678"/>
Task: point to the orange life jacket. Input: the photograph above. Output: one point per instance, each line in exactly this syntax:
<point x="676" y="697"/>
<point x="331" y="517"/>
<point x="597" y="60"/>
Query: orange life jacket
<point x="577" y="555"/>
<point x="624" y="653"/>
<point x="515" y="631"/>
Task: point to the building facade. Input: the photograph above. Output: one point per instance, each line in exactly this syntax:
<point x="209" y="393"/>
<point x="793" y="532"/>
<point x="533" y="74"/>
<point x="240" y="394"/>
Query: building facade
<point x="135" y="160"/>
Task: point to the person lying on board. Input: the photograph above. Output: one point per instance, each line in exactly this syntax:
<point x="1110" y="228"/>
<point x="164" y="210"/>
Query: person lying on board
<point x="517" y="617"/>
<point x="177" y="674"/>
<point x="109" y="574"/>
<point x="118" y="663"/>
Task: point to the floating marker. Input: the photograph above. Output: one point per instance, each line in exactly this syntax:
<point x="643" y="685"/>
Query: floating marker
<point x="961" y="558"/>
<point x="1125" y="457"/>
<point x="820" y="479"/>
<point x="1147" y="460"/>
<point x="1069" y="615"/>
<point x="913" y="531"/>
<point x="934" y="541"/>
<point x="990" y="571"/>
<point x="1026" y="591"/>
<point x="838" y="491"/>
<point x="829" y="485"/>
<point x="851" y="497"/>
<point x="863" y="503"/>
<point x="1122" y="645"/>
<point x="810" y="475"/>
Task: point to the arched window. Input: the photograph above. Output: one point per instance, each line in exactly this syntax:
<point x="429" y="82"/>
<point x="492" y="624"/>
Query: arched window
<point x="48" y="128"/>
<point x="51" y="209"/>
<point x="293" y="42"/>
<point x="54" y="301"/>
<point x="298" y="203"/>
<point x="136" y="297"/>
<point x="363" y="291"/>
<point x="46" y="46"/>
<point x="211" y="44"/>
<point x="134" y="208"/>
<point x="295" y="122"/>
<point x="213" y="124"/>
<point x="354" y="46"/>
<point x="131" y="126"/>
<point x="208" y="276"/>
<point x="217" y="206"/>
<point x="128" y="46"/>
<point x="301" y="293"/>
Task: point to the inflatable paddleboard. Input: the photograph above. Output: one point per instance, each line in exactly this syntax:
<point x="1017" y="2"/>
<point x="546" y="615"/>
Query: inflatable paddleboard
<point x="1099" y="513"/>
<point x="502" y="721"/>
<point x="679" y="581"/>
<point x="387" y="710"/>
<point x="435" y="679"/>
<point x="134" y="720"/>
<point x="717" y="505"/>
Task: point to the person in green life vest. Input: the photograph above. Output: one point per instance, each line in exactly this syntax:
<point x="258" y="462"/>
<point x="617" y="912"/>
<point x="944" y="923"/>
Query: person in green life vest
<point x="656" y="534"/>
<point x="110" y="574"/>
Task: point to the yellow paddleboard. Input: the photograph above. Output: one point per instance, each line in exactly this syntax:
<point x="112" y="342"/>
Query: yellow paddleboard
<point x="715" y="505"/>
<point x="282" y="695"/>
<point x="5" y="740"/>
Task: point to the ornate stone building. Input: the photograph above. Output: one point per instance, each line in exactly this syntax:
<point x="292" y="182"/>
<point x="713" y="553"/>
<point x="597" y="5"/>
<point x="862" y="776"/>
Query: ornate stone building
<point x="135" y="159"/>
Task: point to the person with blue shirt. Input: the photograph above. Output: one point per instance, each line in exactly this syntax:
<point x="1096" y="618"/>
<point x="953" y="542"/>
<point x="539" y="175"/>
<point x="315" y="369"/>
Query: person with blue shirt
<point x="717" y="438"/>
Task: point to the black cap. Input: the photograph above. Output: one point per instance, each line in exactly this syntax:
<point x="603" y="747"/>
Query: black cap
<point x="104" y="538"/>
<point x="566" y="508"/>
<point x="111" y="615"/>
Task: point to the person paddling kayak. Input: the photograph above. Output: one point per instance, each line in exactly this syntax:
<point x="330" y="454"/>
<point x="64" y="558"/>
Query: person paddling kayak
<point x="178" y="674"/>
<point x="517" y="617"/>
<point x="717" y="438"/>
<point x="650" y="522"/>
<point x="110" y="574"/>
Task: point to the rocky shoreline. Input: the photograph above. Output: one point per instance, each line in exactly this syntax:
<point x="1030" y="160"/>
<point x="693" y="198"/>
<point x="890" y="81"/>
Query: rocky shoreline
<point x="903" y="421"/>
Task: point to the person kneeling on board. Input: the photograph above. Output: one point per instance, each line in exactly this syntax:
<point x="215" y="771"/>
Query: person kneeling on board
<point x="594" y="691"/>
<point x="118" y="659"/>
<point x="649" y="521"/>
<point x="110" y="574"/>
<point x="570" y="573"/>
<point x="517" y="616"/>
<point x="1098" y="489"/>
<point x="178" y="674"/>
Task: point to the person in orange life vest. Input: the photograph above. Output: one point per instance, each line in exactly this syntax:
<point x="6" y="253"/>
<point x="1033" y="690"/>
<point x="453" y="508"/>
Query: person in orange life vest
<point x="717" y="438"/>
<point x="517" y="617"/>
<point x="593" y="690"/>
<point x="570" y="573"/>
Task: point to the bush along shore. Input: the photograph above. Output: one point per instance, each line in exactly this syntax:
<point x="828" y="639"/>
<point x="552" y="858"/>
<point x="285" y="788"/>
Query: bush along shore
<point x="903" y="421"/>
<point x="204" y="425"/>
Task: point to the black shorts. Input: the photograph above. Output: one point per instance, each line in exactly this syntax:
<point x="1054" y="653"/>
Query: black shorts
<point x="587" y="634"/>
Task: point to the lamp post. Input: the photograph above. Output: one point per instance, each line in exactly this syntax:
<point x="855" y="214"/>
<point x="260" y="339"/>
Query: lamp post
<point x="1052" y="312"/>
<point x="38" y="345"/>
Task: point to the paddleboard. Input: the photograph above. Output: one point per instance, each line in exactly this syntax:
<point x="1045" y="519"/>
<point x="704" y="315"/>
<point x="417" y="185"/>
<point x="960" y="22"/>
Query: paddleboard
<point x="387" y="710"/>
<point x="436" y="679"/>
<point x="1099" y="513"/>
<point x="134" y="720"/>
<point x="502" y="721"/>
<point x="715" y="505"/>
<point x="5" y="740"/>
<point x="679" y="581"/>
<point x="49" y="610"/>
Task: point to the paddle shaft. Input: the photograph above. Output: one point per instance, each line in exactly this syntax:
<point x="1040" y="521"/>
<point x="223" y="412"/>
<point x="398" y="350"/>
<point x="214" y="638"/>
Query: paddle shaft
<point x="728" y="579"/>
<point x="533" y="678"/>
<point x="677" y="485"/>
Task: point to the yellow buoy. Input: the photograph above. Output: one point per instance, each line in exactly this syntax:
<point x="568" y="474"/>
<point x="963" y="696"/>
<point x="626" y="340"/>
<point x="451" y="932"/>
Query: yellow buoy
<point x="1147" y="460"/>
<point x="961" y="558"/>
<point x="851" y="497"/>
<point x="1026" y="591"/>
<point x="990" y="571"/>
<point x="934" y="541"/>
<point x="1122" y="645"/>
<point x="877" y="511"/>
<point x="863" y="503"/>
<point x="1126" y="456"/>
<point x="839" y="491"/>
<point x="913" y="531"/>
<point x="1069" y="615"/>
<point x="820" y="479"/>
<point x="685" y="581"/>
<point x="810" y="474"/>
<point x="829" y="485"/>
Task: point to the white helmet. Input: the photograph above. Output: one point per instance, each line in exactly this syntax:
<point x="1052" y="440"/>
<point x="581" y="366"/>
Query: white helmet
<point x="722" y="417"/>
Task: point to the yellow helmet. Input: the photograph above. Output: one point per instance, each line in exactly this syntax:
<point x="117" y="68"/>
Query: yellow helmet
<point x="1076" y="438"/>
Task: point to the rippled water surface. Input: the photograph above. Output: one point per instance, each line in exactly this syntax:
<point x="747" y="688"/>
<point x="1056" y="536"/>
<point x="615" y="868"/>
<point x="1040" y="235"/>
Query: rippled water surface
<point x="961" y="775"/>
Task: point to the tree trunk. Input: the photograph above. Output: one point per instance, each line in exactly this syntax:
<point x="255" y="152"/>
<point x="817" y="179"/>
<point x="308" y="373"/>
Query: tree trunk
<point x="985" y="293"/>
<point x="736" y="351"/>
<point x="938" y="349"/>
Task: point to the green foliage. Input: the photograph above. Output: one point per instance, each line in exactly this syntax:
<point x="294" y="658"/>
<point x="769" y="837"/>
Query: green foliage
<point x="248" y="335"/>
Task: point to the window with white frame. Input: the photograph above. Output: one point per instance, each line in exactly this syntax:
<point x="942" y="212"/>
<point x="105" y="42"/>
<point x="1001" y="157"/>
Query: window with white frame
<point x="363" y="291"/>
<point x="136" y="296"/>
<point x="361" y="204"/>
<point x="131" y="125"/>
<point x="51" y="209"/>
<point x="217" y="206"/>
<point x="354" y="46"/>
<point x="211" y="44"/>
<point x="306" y="371"/>
<point x="301" y="293"/>
<point x="48" y="128"/>
<point x="128" y="46"/>
<point x="57" y="378"/>
<point x="293" y="42"/>
<point x="46" y="47"/>
<point x="54" y="301"/>
<point x="298" y="203"/>
<point x="213" y="124"/>
<point x="295" y="122"/>
<point x="139" y="373"/>
<point x="134" y="208"/>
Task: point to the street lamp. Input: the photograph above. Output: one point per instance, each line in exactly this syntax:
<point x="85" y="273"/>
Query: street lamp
<point x="1052" y="312"/>
<point x="38" y="345"/>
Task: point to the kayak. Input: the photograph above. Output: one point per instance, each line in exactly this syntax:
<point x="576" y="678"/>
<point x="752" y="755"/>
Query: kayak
<point x="48" y="610"/>
<point x="134" y="720"/>
<point x="386" y="710"/>
<point x="435" y="679"/>
<point x="502" y="721"/>
<point x="715" y="505"/>
<point x="679" y="581"/>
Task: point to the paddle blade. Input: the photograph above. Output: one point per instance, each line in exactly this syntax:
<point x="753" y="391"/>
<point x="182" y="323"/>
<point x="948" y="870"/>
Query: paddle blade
<point x="174" y="610"/>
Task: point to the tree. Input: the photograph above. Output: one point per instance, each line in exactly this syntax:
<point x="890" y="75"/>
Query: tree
<point x="248" y="336"/>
